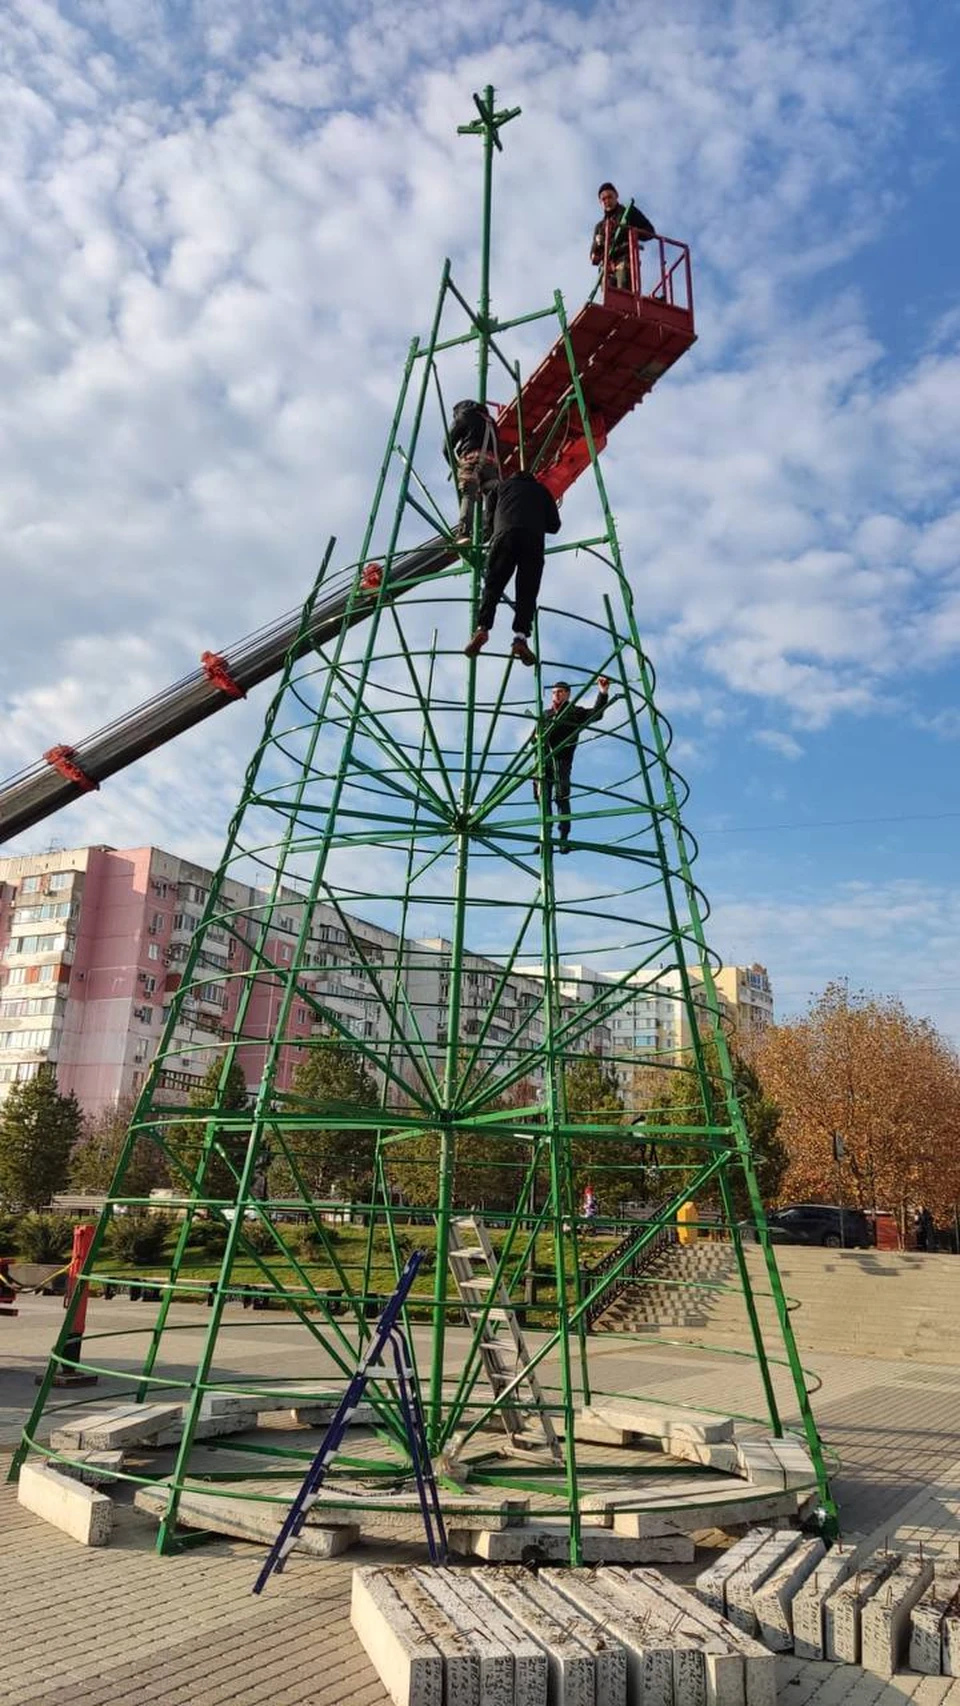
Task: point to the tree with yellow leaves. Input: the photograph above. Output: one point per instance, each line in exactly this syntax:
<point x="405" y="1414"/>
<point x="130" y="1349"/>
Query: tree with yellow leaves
<point x="870" y="1101"/>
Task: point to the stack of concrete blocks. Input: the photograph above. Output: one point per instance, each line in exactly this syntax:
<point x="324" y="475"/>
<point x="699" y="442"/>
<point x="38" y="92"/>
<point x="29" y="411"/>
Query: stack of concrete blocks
<point x="505" y="1637"/>
<point x="779" y="1472"/>
<point x="838" y="1606"/>
<point x="935" y="1627"/>
<point x="253" y="1517"/>
<point x="738" y="1577"/>
<point x="652" y="1522"/>
<point x="843" y="1609"/>
<point x="885" y="1619"/>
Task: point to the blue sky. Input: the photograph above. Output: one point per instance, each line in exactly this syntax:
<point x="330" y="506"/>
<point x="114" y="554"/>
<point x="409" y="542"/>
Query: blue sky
<point x="199" y="357"/>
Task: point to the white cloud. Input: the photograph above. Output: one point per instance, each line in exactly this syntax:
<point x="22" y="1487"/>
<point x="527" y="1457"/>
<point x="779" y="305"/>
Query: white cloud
<point x="778" y="741"/>
<point x="220" y="230"/>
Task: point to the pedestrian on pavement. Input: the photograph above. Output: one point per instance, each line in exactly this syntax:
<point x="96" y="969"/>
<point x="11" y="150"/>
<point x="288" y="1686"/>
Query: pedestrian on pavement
<point x="923" y="1224"/>
<point x="524" y="512"/>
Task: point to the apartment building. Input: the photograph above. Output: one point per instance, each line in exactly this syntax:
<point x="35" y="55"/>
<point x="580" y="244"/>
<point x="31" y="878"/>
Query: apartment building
<point x="747" y="991"/>
<point x="95" y="941"/>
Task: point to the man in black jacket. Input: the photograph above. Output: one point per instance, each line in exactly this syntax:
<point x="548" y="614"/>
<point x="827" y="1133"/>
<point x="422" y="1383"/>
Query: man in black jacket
<point x="610" y="236"/>
<point x="475" y="452"/>
<point x="559" y="730"/>
<point x="524" y="512"/>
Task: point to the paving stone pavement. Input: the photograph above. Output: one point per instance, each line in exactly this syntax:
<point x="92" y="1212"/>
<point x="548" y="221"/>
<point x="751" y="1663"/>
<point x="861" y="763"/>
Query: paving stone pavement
<point x="118" y="1625"/>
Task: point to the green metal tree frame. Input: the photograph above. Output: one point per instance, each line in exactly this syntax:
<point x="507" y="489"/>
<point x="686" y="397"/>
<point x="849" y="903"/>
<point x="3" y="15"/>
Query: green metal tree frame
<point x="380" y="864"/>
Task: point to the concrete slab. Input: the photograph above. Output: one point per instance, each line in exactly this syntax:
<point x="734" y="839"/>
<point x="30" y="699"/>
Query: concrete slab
<point x="885" y="1619"/>
<point x="809" y="1641"/>
<point x="842" y="1610"/>
<point x="795" y="1461"/>
<point x="745" y="1582"/>
<point x="461" y="1660"/>
<point x="570" y="1663"/>
<point x="513" y="1667"/>
<point x="79" y="1511"/>
<point x="93" y="1468"/>
<point x="711" y="1583"/>
<point x="591" y="1429"/>
<point x="127" y="1424"/>
<point x="655" y="1421"/>
<point x="658" y="1658"/>
<point x="759" y="1666"/>
<point x="726" y="1508"/>
<point x="607" y="1655"/>
<point x="950" y="1642"/>
<point x="208" y="1425"/>
<point x="773" y="1601"/>
<point x="758" y="1463"/>
<point x="407" y="1661"/>
<point x="723" y="1456"/>
<point x="247" y="1519"/>
<point x="549" y="1543"/>
<point x="926" y="1624"/>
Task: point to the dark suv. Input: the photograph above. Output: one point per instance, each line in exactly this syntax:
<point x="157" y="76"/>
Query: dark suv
<point x="821" y="1223"/>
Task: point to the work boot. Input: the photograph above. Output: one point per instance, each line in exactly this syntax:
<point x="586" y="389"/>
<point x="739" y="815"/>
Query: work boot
<point x="475" y="646"/>
<point x="463" y="531"/>
<point x="521" y="650"/>
<point x="564" y="846"/>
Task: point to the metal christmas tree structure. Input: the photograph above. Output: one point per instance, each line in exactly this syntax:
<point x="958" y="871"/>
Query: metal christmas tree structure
<point x="422" y="1024"/>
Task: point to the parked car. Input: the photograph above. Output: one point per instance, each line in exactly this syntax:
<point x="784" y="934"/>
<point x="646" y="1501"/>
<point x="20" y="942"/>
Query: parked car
<point x="819" y="1223"/>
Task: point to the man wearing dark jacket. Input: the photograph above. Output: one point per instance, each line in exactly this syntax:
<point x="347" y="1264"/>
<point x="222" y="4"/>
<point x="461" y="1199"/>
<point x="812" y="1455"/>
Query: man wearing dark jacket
<point x="524" y="512"/>
<point x="475" y="451"/>
<point x="610" y="236"/>
<point x="559" y="730"/>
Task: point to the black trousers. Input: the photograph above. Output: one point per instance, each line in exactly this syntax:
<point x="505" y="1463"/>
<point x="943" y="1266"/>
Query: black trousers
<point x="556" y="783"/>
<point x="515" y="550"/>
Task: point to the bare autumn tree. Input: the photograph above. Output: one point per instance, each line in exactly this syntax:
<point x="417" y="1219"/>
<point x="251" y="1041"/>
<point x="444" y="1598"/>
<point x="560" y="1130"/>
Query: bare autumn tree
<point x="861" y="1068"/>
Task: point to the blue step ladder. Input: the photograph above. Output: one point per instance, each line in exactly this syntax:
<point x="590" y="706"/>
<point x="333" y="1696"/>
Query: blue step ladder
<point x="389" y="1335"/>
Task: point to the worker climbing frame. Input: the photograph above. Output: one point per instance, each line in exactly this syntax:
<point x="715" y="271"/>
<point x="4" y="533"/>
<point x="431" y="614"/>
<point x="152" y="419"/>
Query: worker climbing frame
<point x="399" y="1021"/>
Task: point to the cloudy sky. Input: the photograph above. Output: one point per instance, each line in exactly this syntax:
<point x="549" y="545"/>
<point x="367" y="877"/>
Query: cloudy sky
<point x="221" y="225"/>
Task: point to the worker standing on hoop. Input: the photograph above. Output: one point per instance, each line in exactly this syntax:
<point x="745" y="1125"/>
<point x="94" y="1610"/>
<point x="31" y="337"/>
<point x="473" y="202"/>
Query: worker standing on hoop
<point x="523" y="513"/>
<point x="475" y="451"/>
<point x="610" y="238"/>
<point x="559" y="730"/>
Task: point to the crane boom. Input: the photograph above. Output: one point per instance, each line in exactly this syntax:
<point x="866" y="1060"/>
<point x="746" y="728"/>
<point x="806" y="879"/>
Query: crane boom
<point x="33" y="794"/>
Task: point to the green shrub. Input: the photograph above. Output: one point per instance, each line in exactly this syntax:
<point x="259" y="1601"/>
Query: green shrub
<point x="307" y="1241"/>
<point x="258" y="1237"/>
<point x="210" y="1236"/>
<point x="9" y="1233"/>
<point x="139" y="1237"/>
<point x="406" y="1246"/>
<point x="45" y="1237"/>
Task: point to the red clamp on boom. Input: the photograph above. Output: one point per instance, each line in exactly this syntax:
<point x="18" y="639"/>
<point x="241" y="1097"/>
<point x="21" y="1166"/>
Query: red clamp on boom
<point x="217" y="671"/>
<point x="63" y="758"/>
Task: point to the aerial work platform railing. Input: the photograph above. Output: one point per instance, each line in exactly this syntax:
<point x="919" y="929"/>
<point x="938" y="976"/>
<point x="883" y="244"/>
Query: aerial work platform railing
<point x="622" y="345"/>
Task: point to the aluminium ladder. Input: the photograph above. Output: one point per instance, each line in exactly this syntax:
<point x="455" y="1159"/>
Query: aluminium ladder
<point x="503" y="1349"/>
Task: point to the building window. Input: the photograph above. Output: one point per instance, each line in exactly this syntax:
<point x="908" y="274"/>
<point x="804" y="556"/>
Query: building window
<point x="38" y="944"/>
<point x="153" y="951"/>
<point x="60" y="879"/>
<point x="26" y="1039"/>
<point x="29" y="885"/>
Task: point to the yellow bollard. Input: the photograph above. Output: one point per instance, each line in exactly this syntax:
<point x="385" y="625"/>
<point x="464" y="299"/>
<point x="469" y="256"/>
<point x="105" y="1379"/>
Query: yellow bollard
<point x="687" y="1230"/>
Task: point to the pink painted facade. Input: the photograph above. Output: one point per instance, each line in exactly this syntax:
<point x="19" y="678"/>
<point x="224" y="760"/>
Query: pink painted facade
<point x="93" y="943"/>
